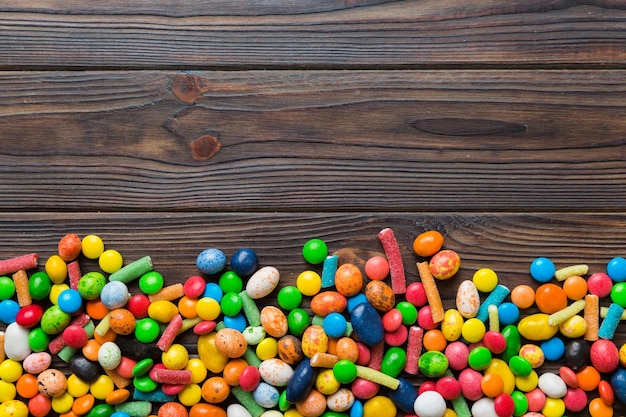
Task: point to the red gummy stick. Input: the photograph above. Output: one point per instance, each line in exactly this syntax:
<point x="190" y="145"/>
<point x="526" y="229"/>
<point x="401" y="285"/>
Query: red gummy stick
<point x="396" y="268"/>
<point x="170" y="332"/>
<point x="376" y="358"/>
<point x="413" y="350"/>
<point x="172" y="376"/>
<point x="73" y="271"/>
<point x="10" y="266"/>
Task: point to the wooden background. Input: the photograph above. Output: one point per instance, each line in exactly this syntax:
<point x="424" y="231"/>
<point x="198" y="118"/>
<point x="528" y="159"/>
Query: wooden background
<point x="169" y="127"/>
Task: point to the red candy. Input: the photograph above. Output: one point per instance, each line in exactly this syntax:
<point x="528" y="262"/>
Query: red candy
<point x="39" y="405"/>
<point x="448" y="387"/>
<point x="470" y="384"/>
<point x="204" y="327"/>
<point x="172" y="376"/>
<point x="415" y="294"/>
<point x="249" y="378"/>
<point x="575" y="399"/>
<point x="28" y="316"/>
<point x="125" y="367"/>
<point x="138" y="305"/>
<point x="504" y="405"/>
<point x="536" y="400"/>
<point x="568" y="376"/>
<point x="364" y="389"/>
<point x="377" y="268"/>
<point x="9" y="266"/>
<point x="606" y="392"/>
<point x="494" y="341"/>
<point x="604" y="355"/>
<point x="194" y="286"/>
<point x="75" y="336"/>
<point x="599" y="284"/>
<point x="457" y="353"/>
<point x="396" y="267"/>
<point x="398" y="337"/>
<point x="392" y="320"/>
<point x="172" y="389"/>
<point x="427" y="386"/>
<point x="425" y="319"/>
<point x="365" y="356"/>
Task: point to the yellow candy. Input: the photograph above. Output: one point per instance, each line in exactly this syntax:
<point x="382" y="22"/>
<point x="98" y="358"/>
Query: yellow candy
<point x="379" y="406"/>
<point x="14" y="408"/>
<point x="326" y="383"/>
<point x="309" y="283"/>
<point x="485" y="279"/>
<point x="292" y="412"/>
<point x="208" y="308"/>
<point x="533" y="354"/>
<point x="198" y="370"/>
<point x="554" y="407"/>
<point x="101" y="387"/>
<point x="575" y="326"/>
<point x="76" y="387"/>
<point x="211" y="357"/>
<point x="62" y="403"/>
<point x="536" y="327"/>
<point x="527" y="383"/>
<point x="449" y="413"/>
<point x="10" y="370"/>
<point x="176" y="357"/>
<point x="110" y="261"/>
<point x="56" y="268"/>
<point x="7" y="391"/>
<point x="452" y="325"/>
<point x="92" y="246"/>
<point x="55" y="291"/>
<point x="162" y="311"/>
<point x="501" y="368"/>
<point x="267" y="348"/>
<point x="473" y="330"/>
<point x="622" y="355"/>
<point x="190" y="395"/>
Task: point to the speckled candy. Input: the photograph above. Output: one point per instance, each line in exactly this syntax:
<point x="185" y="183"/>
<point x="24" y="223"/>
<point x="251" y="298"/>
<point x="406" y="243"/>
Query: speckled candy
<point x="274" y="321"/>
<point x="467" y="299"/>
<point x="211" y="261"/>
<point x="276" y="372"/>
<point x="114" y="295"/>
<point x="341" y="400"/>
<point x="54" y="320"/>
<point x="51" y="382"/>
<point x="91" y="284"/>
<point x="315" y="340"/>
<point x="37" y="362"/>
<point x="266" y="395"/>
<point x="109" y="355"/>
<point x="327" y="302"/>
<point x="262" y="282"/>
<point x="433" y="364"/>
<point x="367" y="324"/>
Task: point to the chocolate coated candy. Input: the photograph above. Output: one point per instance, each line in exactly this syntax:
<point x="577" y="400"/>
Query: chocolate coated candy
<point x="367" y="324"/>
<point x="301" y="381"/>
<point x="85" y="369"/>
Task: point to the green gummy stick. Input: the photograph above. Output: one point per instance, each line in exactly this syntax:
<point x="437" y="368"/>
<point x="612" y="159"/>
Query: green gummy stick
<point x="66" y="353"/>
<point x="250" y="309"/>
<point x="247" y="400"/>
<point x="133" y="270"/>
<point x="459" y="404"/>
<point x="135" y="408"/>
<point x="251" y="357"/>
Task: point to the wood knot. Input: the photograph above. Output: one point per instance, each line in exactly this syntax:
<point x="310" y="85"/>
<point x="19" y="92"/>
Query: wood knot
<point x="187" y="88"/>
<point x="204" y="147"/>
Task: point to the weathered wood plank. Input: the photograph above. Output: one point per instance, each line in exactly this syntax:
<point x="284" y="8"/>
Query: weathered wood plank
<point x="364" y="34"/>
<point x="313" y="140"/>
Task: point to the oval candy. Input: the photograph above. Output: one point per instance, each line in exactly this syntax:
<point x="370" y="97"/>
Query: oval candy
<point x="275" y="372"/>
<point x="367" y="324"/>
<point x="17" y="347"/>
<point x="467" y="299"/>
<point x="262" y="282"/>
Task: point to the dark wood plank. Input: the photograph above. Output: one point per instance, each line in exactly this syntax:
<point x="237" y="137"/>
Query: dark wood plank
<point x="360" y="33"/>
<point x="506" y="243"/>
<point x="313" y="140"/>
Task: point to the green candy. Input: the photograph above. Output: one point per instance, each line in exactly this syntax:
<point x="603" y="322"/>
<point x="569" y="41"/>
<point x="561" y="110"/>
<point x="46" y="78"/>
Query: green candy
<point x="144" y="383"/>
<point x="230" y="282"/>
<point x="513" y="342"/>
<point x="38" y="340"/>
<point x="433" y="364"/>
<point x="289" y="297"/>
<point x="7" y="288"/>
<point x="344" y="371"/>
<point x="479" y="358"/>
<point x="283" y="404"/>
<point x="393" y="361"/>
<point x="39" y="286"/>
<point x="521" y="403"/>
<point x="231" y="304"/>
<point x="315" y="251"/>
<point x="142" y="367"/>
<point x="151" y="282"/>
<point x="147" y="330"/>
<point x="90" y="285"/>
<point x="101" y="410"/>
<point x="297" y="321"/>
<point x="54" y="320"/>
<point x="520" y="366"/>
<point x="408" y="311"/>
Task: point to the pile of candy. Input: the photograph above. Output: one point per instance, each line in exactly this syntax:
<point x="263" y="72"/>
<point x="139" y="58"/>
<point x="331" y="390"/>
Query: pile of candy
<point x="343" y="341"/>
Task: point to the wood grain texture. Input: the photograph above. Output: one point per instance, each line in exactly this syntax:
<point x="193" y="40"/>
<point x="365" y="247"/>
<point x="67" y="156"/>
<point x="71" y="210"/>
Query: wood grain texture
<point x="313" y="140"/>
<point x="351" y="34"/>
<point x="506" y="243"/>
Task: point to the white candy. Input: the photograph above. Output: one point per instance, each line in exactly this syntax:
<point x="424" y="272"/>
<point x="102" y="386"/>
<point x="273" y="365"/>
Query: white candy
<point x="16" y="345"/>
<point x="484" y="408"/>
<point x="266" y="395"/>
<point x="237" y="410"/>
<point x="431" y="404"/>
<point x="275" y="372"/>
<point x="37" y="362"/>
<point x="467" y="299"/>
<point x="262" y="282"/>
<point x="552" y="385"/>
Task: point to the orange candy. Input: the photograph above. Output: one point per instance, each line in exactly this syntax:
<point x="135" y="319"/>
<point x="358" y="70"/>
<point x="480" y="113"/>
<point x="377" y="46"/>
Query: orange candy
<point x="492" y="385"/>
<point x="187" y="307"/>
<point x="348" y="280"/>
<point x="90" y="350"/>
<point x="347" y="349"/>
<point x="117" y="397"/>
<point x="122" y="321"/>
<point x="82" y="405"/>
<point x="206" y="410"/>
<point x="96" y="309"/>
<point x="172" y="409"/>
<point x="39" y="405"/>
<point x="215" y="390"/>
<point x="550" y="298"/>
<point x="428" y="243"/>
<point x="523" y="296"/>
<point x="26" y="386"/>
<point x="588" y="378"/>
<point x="597" y="408"/>
<point x="109" y="336"/>
<point x="232" y="371"/>
<point x="575" y="287"/>
<point x="434" y="340"/>
<point x="68" y="414"/>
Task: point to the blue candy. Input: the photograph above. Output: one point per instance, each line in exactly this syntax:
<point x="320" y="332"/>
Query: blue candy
<point x="542" y="269"/>
<point x="334" y="325"/>
<point x="8" y="311"/>
<point x="618" y="383"/>
<point x="301" y="381"/>
<point x="355" y="300"/>
<point x="211" y="261"/>
<point x="404" y="396"/>
<point x="553" y="348"/>
<point x="508" y="313"/>
<point x="367" y="324"/>
<point x="244" y="262"/>
<point x="616" y="269"/>
<point x="266" y="395"/>
<point x="237" y="322"/>
<point x="357" y="409"/>
<point x="114" y="295"/>
<point x="70" y="301"/>
<point x="212" y="290"/>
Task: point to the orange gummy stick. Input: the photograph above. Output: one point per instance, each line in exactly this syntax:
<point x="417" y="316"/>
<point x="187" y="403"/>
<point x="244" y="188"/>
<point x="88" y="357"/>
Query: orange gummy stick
<point x="432" y="292"/>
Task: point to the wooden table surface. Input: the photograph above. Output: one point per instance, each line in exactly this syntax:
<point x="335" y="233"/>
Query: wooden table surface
<point x="170" y="127"/>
